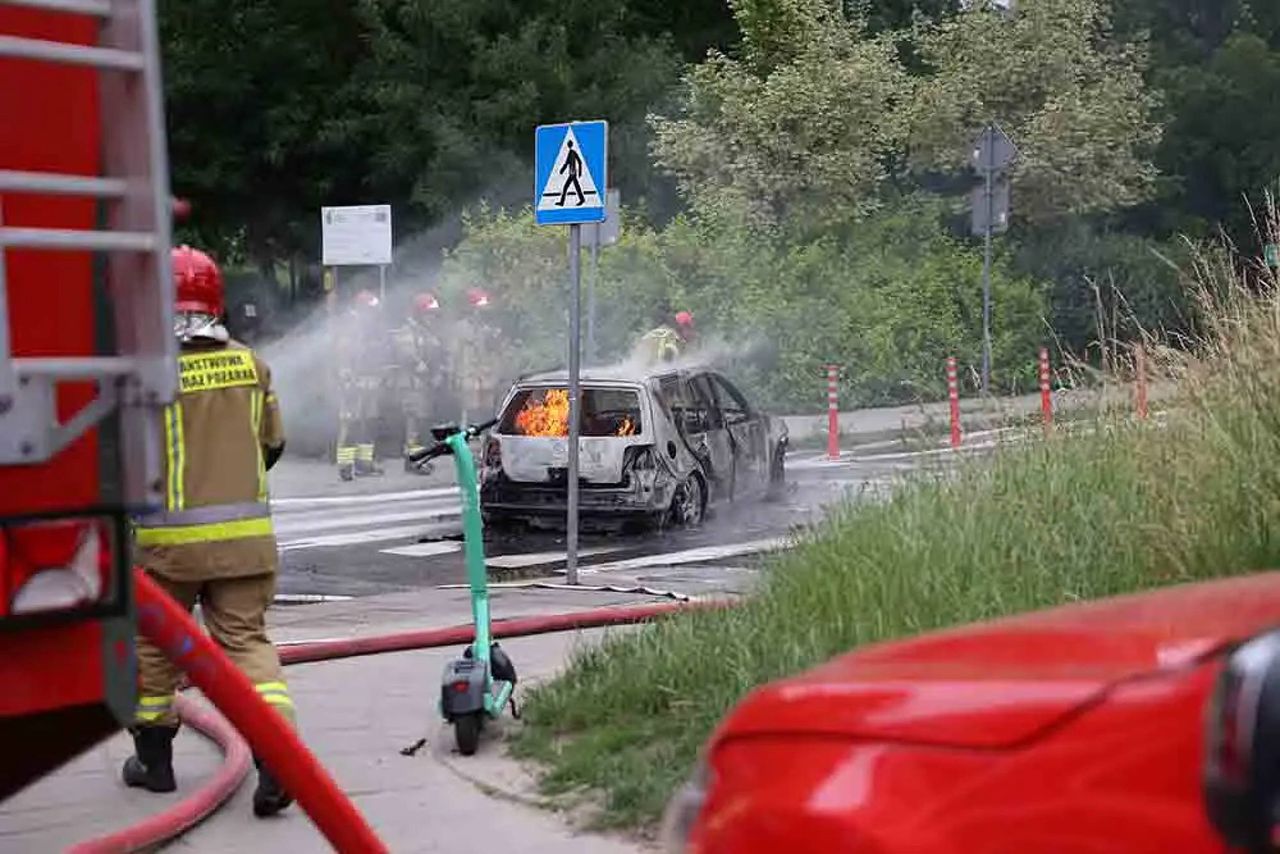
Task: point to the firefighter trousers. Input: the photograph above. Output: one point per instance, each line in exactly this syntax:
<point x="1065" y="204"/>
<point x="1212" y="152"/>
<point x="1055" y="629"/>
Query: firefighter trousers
<point x="234" y="612"/>
<point x="357" y="413"/>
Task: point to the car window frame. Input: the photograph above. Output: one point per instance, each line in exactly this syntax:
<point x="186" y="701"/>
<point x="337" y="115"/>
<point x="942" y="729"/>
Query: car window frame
<point x="719" y="383"/>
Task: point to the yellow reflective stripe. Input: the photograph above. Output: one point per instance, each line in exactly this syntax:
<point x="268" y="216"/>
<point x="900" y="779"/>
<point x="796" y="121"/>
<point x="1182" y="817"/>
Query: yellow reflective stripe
<point x="165" y="701"/>
<point x="210" y="533"/>
<point x="220" y="369"/>
<point x="255" y="405"/>
<point x="274" y="693"/>
<point x="176" y="457"/>
<point x="148" y="717"/>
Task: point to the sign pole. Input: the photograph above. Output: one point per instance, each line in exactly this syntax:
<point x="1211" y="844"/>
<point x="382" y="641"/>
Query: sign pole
<point x="575" y="404"/>
<point x="382" y="285"/>
<point x="989" y="169"/>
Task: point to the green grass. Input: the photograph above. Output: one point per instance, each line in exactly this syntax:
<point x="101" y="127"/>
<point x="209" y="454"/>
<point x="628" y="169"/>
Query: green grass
<point x="1126" y="507"/>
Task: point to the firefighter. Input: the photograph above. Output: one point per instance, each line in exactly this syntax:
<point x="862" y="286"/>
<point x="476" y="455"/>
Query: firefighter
<point x="416" y="364"/>
<point x="213" y="542"/>
<point x="476" y="359"/>
<point x="361" y="366"/>
<point x="667" y="343"/>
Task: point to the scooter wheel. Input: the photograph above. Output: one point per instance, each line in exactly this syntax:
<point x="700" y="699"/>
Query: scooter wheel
<point x="466" y="731"/>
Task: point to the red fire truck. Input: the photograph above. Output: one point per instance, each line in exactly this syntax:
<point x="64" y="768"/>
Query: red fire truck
<point x="86" y="356"/>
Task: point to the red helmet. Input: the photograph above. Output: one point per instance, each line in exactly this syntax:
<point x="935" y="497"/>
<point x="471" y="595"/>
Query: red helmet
<point x="477" y="297"/>
<point x="365" y="299"/>
<point x="198" y="282"/>
<point x="425" y="303"/>
<point x="684" y="319"/>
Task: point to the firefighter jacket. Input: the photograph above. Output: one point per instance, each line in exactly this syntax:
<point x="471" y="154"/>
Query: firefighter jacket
<point x="414" y="353"/>
<point x="662" y="344"/>
<point x="220" y="436"/>
<point x="363" y="355"/>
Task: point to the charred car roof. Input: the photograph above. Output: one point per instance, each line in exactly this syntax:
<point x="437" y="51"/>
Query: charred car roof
<point x="615" y="373"/>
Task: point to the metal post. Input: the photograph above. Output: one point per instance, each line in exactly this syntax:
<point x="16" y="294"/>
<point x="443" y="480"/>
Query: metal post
<point x="1140" y="368"/>
<point x="833" y="412"/>
<point x="591" y="293"/>
<point x="953" y="397"/>
<point x="1046" y="393"/>
<point x="575" y="405"/>
<point x="989" y="169"/>
<point x="382" y="285"/>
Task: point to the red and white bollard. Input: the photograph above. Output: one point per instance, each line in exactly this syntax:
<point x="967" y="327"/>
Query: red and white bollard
<point x="833" y="412"/>
<point x="1046" y="398"/>
<point x="953" y="395"/>
<point x="1140" y="368"/>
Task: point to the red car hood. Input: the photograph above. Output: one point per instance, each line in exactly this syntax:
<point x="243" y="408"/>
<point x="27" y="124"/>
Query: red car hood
<point x="997" y="684"/>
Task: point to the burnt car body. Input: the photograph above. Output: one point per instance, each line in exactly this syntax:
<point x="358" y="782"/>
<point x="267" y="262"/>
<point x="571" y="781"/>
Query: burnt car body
<point x="656" y="447"/>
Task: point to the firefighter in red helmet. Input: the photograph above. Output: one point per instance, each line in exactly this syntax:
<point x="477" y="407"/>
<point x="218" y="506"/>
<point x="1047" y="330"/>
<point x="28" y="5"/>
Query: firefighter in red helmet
<point x="212" y="542"/>
<point x="667" y="343"/>
<point x="417" y="370"/>
<point x="362" y="363"/>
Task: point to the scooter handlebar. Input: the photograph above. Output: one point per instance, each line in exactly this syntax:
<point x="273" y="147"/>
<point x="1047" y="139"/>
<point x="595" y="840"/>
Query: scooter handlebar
<point x="439" y="449"/>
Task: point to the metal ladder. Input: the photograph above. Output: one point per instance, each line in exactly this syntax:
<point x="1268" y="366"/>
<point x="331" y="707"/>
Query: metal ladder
<point x="141" y="375"/>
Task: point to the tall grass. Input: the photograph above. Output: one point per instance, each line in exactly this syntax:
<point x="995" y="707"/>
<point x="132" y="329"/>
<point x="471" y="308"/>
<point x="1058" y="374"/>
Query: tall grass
<point x="1121" y="507"/>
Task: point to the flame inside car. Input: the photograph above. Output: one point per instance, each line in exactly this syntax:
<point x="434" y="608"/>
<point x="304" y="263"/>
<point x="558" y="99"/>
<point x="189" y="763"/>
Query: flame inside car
<point x="545" y="414"/>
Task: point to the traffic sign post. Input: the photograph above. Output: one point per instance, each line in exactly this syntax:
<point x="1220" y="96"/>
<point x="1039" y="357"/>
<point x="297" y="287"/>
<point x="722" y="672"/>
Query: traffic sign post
<point x="570" y="176"/>
<point x="993" y="154"/>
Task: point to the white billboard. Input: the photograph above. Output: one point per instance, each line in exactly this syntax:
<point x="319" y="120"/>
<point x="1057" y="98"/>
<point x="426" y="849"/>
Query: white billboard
<point x="355" y="235"/>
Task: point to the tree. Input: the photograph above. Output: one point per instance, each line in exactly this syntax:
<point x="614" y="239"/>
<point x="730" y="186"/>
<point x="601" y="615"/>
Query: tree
<point x="279" y="106"/>
<point x="1070" y="95"/>
<point x="798" y="131"/>
<point x="250" y="85"/>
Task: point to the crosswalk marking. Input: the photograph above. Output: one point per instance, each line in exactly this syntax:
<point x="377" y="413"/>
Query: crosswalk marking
<point x="429" y="549"/>
<point x="374" y="535"/>
<point x="286" y="525"/>
<point x="698" y="555"/>
<point x="540" y="558"/>
<point x="373" y="498"/>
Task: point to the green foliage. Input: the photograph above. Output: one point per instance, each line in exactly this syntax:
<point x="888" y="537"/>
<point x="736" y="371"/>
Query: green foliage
<point x="1068" y="92"/>
<point x="890" y="303"/>
<point x="276" y="108"/>
<point x="1223" y="143"/>
<point x="805" y="130"/>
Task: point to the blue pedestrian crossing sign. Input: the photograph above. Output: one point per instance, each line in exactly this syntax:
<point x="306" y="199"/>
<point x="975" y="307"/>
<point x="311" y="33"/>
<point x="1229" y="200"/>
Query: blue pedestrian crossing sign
<point x="571" y="163"/>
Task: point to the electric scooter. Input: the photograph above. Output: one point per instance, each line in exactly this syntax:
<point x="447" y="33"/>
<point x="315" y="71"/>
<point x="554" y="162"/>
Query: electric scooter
<point x="481" y="683"/>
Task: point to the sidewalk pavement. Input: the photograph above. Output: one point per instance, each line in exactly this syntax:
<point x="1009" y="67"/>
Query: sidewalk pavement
<point x="356" y="714"/>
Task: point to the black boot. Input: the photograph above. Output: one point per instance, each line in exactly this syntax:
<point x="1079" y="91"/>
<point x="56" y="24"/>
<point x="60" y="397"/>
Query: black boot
<point x="269" y="798"/>
<point x="152" y="766"/>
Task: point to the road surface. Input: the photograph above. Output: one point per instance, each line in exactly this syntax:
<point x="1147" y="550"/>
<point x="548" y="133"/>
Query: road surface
<point x="402" y="531"/>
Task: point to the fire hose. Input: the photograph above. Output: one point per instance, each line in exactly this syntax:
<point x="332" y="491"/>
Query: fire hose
<point x="177" y="634"/>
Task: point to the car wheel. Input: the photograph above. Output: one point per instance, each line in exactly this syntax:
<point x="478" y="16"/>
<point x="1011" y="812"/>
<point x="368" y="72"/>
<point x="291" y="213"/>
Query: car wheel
<point x="777" y="476"/>
<point x="687" y="504"/>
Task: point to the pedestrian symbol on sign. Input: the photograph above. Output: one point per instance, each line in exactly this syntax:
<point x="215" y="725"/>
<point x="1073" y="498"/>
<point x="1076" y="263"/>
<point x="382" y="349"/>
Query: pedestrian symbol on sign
<point x="570" y="179"/>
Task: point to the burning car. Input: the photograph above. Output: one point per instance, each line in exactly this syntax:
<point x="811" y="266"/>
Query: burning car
<point x="656" y="448"/>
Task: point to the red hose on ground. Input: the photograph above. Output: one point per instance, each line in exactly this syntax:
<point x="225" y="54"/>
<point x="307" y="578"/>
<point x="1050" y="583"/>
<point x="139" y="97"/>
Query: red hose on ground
<point x="193" y="809"/>
<point x="176" y="633"/>
<point x="189" y="812"/>
<point x="613" y="615"/>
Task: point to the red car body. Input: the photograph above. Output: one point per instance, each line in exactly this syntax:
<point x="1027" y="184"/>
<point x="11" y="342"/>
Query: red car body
<point x="1073" y="730"/>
